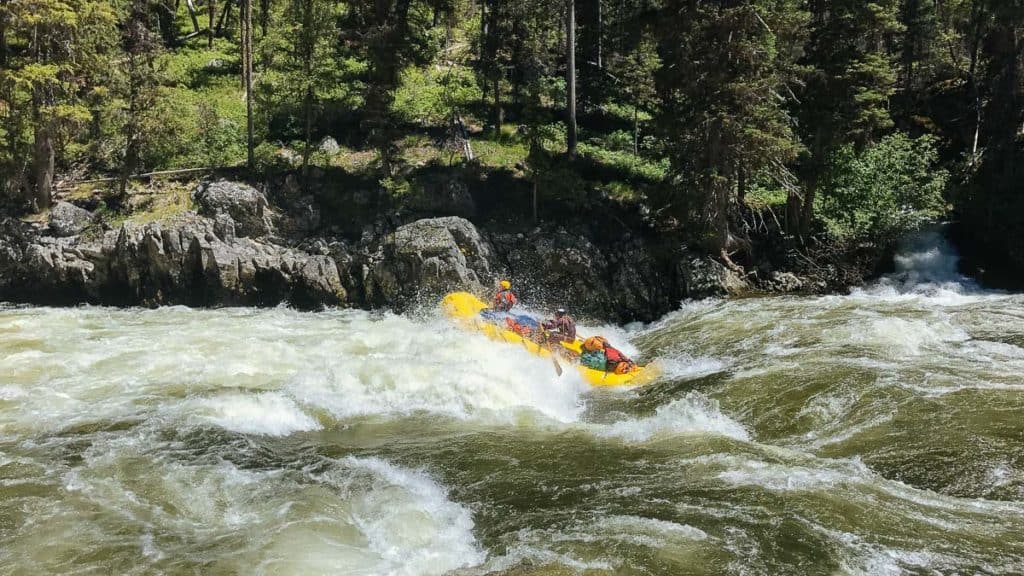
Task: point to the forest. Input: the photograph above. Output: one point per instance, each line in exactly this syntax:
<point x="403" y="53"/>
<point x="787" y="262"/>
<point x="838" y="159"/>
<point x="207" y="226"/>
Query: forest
<point x="843" y="121"/>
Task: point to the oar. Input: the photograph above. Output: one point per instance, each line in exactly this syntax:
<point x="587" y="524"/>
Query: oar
<point x="501" y="332"/>
<point x="558" y="367"/>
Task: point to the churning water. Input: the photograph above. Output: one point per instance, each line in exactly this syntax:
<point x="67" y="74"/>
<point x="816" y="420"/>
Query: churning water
<point x="876" y="433"/>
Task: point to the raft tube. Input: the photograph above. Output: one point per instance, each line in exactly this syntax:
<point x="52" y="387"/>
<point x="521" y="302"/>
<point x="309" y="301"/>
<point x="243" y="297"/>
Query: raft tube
<point x="465" y="308"/>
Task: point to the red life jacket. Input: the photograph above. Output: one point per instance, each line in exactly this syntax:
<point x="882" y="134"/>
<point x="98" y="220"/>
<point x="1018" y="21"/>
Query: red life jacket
<point x="504" y="300"/>
<point x="614" y="356"/>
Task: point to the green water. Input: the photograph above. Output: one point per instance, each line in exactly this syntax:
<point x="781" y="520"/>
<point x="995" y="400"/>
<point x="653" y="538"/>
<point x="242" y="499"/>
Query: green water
<point x="877" y="433"/>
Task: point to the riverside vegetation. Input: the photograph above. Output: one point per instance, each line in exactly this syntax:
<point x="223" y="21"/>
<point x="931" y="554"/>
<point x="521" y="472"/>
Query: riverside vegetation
<point x="756" y="137"/>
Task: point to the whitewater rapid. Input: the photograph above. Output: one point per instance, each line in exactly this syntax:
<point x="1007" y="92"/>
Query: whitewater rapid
<point x="875" y="433"/>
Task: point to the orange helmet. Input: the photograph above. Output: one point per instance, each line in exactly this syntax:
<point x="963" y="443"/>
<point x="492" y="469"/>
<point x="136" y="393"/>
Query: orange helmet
<point x="506" y="284"/>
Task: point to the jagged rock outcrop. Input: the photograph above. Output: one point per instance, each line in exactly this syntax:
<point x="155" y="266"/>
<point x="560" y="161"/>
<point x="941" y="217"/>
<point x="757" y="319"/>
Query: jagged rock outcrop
<point x="188" y="260"/>
<point x="624" y="279"/>
<point x="226" y="255"/>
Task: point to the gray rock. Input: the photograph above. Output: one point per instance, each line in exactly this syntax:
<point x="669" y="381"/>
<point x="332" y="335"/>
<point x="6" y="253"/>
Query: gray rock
<point x="329" y="146"/>
<point x="190" y="260"/>
<point x="705" y="277"/>
<point x="66" y="219"/>
<point x="426" y="258"/>
<point x="245" y="205"/>
<point x="786" y="282"/>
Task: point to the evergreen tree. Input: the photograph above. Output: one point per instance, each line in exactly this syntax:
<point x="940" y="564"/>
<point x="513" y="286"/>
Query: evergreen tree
<point x="66" y="43"/>
<point x="140" y="78"/>
<point x="849" y="80"/>
<point x="723" y="69"/>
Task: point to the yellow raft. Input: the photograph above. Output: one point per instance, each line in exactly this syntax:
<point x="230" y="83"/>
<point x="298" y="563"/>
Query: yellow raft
<point x="465" y="308"/>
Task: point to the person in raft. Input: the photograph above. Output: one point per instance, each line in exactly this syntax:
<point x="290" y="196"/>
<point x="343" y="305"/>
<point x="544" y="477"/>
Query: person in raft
<point x="561" y="328"/>
<point x="599" y="355"/>
<point x="505" y="299"/>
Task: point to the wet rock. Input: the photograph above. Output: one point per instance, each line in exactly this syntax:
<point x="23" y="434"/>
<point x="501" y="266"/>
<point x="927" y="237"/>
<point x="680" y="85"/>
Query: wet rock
<point x="66" y="219"/>
<point x="244" y="204"/>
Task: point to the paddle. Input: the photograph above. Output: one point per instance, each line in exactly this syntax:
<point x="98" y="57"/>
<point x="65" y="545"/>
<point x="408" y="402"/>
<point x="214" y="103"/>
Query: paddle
<point x="544" y="334"/>
<point x="558" y="368"/>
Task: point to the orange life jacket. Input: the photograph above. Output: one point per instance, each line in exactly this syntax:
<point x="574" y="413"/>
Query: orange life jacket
<point x="504" y="300"/>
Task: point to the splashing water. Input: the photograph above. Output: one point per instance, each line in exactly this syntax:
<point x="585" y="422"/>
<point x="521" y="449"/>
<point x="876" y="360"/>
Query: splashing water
<point x="876" y="433"/>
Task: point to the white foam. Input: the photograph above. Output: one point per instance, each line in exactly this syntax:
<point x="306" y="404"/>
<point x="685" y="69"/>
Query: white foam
<point x="655" y="533"/>
<point x="352" y="516"/>
<point x="130" y="364"/>
<point x="926" y="268"/>
<point x="684" y="366"/>
<point x="268" y="413"/>
<point x="460" y="375"/>
<point x="415" y="530"/>
<point x="692" y="414"/>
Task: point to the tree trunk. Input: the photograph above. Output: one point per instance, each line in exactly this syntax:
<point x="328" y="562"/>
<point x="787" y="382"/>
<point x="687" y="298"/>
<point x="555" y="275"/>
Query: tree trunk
<point x="3" y="34"/>
<point x="307" y="103"/>
<point x="636" y="128"/>
<point x="910" y="40"/>
<point x="211" y="10"/>
<point x="497" y="111"/>
<point x="246" y="19"/>
<point x="44" y="167"/>
<point x="483" y="35"/>
<point x="131" y="145"/>
<point x="794" y="204"/>
<point x="807" y="213"/>
<point x="570" y="77"/>
<point x="264" y="16"/>
<point x="224" y="15"/>
<point x="598" y="33"/>
<point x="535" y="199"/>
<point x="976" y="15"/>
<point x="190" y="5"/>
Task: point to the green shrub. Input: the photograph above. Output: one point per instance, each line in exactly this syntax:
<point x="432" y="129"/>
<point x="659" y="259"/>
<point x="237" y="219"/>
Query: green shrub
<point x="630" y="165"/>
<point x="884" y="191"/>
<point x="429" y="96"/>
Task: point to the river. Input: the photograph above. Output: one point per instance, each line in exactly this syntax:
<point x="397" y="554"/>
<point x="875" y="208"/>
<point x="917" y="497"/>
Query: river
<point x="875" y="433"/>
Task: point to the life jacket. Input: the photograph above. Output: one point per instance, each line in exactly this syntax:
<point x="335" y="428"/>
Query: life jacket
<point x="614" y="355"/>
<point x="518" y="327"/>
<point x="617" y="361"/>
<point x="504" y="300"/>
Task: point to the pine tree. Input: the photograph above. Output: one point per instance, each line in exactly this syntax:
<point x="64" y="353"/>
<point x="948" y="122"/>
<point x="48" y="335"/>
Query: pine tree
<point x="141" y="46"/>
<point x="848" y="84"/>
<point x="66" y="44"/>
<point x="723" y="69"/>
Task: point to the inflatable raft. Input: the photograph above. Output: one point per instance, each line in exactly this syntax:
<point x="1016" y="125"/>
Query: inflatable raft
<point x="470" y="312"/>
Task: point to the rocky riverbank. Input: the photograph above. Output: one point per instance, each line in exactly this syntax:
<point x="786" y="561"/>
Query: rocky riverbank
<point x="236" y="249"/>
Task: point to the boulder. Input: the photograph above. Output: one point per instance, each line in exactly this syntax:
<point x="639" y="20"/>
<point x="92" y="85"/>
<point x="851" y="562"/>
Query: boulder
<point x="426" y="258"/>
<point x="329" y="146"/>
<point x="66" y="219"/>
<point x="786" y="282"/>
<point x="705" y="277"/>
<point x="245" y="205"/>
